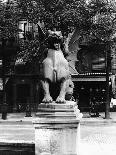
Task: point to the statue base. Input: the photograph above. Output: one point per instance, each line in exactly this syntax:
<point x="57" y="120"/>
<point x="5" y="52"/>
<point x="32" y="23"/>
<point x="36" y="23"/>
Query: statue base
<point x="57" y="129"/>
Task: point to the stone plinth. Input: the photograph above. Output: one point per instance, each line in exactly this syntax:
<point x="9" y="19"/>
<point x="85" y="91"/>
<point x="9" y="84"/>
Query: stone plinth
<point x="57" y="129"/>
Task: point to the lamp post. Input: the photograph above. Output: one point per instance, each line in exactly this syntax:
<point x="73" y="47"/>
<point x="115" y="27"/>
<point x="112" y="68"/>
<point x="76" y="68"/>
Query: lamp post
<point x="4" y="105"/>
<point x="108" y="65"/>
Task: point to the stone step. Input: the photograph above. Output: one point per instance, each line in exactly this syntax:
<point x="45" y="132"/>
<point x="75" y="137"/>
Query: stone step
<point x="54" y="105"/>
<point x="54" y="110"/>
<point x="54" y="113"/>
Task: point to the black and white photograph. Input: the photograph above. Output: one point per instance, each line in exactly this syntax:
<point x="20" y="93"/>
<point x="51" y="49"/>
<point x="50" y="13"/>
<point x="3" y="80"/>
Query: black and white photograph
<point x="57" y="77"/>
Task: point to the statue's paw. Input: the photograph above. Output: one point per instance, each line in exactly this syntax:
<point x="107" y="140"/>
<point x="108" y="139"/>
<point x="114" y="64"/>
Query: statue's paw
<point x="47" y="99"/>
<point x="60" y="100"/>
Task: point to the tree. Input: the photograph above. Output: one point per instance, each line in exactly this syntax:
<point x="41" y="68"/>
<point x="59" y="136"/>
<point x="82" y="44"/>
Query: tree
<point x="102" y="13"/>
<point x="9" y="17"/>
<point x="91" y="17"/>
<point x="60" y="14"/>
<point x="94" y="19"/>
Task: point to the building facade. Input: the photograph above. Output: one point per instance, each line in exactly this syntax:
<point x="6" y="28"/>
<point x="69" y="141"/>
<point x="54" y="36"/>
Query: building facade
<point x="90" y="82"/>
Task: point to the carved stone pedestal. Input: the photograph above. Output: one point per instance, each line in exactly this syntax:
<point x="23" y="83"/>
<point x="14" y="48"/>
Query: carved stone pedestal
<point x="57" y="129"/>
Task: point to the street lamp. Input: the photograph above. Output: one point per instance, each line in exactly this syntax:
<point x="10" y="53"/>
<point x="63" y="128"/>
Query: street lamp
<point x="108" y="66"/>
<point x="4" y="105"/>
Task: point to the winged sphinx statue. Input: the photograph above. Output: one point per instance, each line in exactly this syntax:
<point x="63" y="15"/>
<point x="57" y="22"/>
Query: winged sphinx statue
<point x="55" y="69"/>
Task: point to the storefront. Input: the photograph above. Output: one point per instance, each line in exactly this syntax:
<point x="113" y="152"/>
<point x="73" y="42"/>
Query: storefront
<point x="26" y="91"/>
<point x="20" y="91"/>
<point x="90" y="88"/>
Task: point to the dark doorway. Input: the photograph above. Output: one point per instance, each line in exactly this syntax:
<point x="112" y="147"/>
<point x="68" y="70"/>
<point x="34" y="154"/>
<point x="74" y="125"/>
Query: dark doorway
<point x="84" y="99"/>
<point x="23" y="96"/>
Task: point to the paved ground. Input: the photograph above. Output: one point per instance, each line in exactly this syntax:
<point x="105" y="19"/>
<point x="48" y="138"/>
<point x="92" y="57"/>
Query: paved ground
<point x="98" y="135"/>
<point x="17" y="129"/>
<point x="98" y="139"/>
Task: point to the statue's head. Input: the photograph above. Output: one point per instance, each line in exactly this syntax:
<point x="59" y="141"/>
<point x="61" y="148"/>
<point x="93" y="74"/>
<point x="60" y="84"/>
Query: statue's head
<point x="55" y="39"/>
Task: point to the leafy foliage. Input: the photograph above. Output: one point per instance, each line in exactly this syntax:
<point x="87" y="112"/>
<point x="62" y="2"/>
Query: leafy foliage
<point x="102" y="14"/>
<point x="9" y="17"/>
<point x="93" y="19"/>
<point x="96" y="16"/>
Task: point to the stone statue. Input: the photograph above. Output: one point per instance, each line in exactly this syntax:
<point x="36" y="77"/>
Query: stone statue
<point x="55" y="70"/>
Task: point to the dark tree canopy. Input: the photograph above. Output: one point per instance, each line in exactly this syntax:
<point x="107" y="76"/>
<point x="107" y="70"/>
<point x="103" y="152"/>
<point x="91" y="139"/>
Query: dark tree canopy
<point x="96" y="16"/>
<point x="93" y="19"/>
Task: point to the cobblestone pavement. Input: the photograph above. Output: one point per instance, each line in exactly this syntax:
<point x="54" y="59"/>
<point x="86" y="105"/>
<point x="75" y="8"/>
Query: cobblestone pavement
<point x="98" y="139"/>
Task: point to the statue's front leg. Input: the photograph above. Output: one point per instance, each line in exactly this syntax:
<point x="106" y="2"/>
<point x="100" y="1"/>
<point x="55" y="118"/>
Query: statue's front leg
<point x="61" y="97"/>
<point x="47" y="98"/>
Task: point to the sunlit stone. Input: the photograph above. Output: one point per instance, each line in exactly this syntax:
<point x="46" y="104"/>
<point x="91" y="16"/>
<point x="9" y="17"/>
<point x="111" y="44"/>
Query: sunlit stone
<point x="57" y="133"/>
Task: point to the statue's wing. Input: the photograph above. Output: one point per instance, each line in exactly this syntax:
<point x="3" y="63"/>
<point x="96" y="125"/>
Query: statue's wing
<point x="41" y="31"/>
<point x="72" y="47"/>
<point x="42" y="39"/>
<point x="73" y="44"/>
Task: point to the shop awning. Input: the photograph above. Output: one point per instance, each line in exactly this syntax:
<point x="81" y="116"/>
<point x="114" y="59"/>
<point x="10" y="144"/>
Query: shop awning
<point x="89" y="77"/>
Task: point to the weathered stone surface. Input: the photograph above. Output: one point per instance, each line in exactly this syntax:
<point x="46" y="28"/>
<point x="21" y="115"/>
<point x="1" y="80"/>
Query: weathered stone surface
<point x="57" y="129"/>
<point x="55" y="107"/>
<point x="58" y="112"/>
